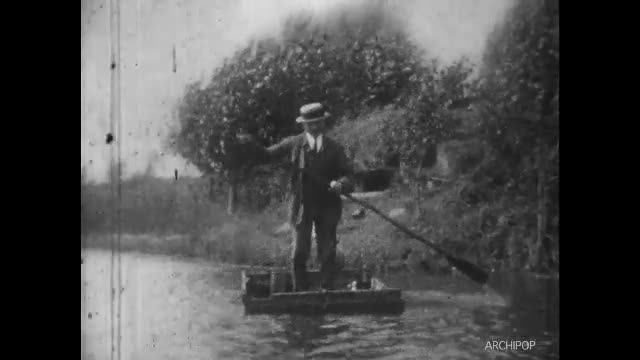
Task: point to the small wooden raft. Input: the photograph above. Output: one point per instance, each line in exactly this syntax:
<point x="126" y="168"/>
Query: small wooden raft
<point x="270" y="292"/>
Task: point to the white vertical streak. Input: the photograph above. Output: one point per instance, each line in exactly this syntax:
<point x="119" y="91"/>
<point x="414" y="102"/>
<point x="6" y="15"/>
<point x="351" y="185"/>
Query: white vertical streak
<point x="137" y="72"/>
<point x="116" y="130"/>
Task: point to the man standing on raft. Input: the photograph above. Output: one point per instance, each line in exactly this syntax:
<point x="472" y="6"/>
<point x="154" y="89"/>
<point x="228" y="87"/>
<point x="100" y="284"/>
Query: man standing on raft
<point x="320" y="173"/>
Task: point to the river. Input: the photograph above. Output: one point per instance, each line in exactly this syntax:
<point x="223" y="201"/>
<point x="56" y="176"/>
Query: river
<point x="182" y="308"/>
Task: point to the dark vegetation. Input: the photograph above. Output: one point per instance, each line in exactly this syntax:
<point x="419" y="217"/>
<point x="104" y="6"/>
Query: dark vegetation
<point x="473" y="149"/>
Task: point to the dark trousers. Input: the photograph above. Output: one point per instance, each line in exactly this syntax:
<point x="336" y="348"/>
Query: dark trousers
<point x="326" y="244"/>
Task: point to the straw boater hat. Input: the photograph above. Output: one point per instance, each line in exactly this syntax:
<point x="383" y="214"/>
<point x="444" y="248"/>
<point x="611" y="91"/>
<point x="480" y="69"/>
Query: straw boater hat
<point x="311" y="113"/>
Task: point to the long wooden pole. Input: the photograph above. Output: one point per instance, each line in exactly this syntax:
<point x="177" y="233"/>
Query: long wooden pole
<point x="471" y="270"/>
<point x="474" y="272"/>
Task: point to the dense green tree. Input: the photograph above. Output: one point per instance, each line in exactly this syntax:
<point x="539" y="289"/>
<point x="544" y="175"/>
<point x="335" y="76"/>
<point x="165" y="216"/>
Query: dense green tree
<point x="351" y="60"/>
<point x="520" y="120"/>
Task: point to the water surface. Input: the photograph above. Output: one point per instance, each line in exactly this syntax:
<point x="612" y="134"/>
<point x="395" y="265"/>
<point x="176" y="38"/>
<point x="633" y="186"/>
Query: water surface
<point x="177" y="308"/>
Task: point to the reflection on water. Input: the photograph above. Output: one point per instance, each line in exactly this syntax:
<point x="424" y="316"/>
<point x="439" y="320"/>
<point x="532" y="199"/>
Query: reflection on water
<point x="179" y="308"/>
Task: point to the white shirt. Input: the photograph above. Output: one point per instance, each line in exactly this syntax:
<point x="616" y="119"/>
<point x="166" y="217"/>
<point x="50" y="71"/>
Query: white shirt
<point x="313" y="142"/>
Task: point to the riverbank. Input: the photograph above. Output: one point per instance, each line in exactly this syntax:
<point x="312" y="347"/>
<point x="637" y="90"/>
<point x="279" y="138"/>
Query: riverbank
<point x="264" y="240"/>
<point x="260" y="239"/>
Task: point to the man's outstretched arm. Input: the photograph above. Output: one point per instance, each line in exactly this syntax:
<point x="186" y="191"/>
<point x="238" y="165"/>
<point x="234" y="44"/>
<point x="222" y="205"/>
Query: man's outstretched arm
<point x="262" y="154"/>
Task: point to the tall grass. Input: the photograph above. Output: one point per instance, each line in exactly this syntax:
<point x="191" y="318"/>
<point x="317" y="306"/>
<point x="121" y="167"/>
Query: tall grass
<point x="179" y="217"/>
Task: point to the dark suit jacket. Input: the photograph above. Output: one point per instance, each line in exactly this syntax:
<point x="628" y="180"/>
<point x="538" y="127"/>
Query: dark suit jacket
<point x="310" y="194"/>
